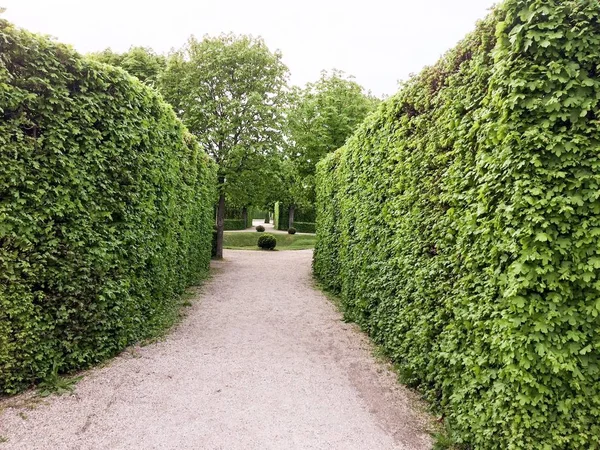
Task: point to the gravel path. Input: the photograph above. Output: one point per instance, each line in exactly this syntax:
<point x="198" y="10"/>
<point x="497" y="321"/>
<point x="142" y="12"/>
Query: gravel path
<point x="262" y="361"/>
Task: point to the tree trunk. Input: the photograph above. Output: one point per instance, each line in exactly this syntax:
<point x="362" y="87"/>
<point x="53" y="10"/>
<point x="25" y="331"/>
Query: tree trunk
<point x="291" y="220"/>
<point x="245" y="216"/>
<point x="267" y="218"/>
<point x="220" y="225"/>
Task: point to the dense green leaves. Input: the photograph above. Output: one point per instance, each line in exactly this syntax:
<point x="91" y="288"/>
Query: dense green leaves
<point x="105" y="209"/>
<point x="267" y="242"/>
<point x="304" y="227"/>
<point x="229" y="91"/>
<point x="140" y="62"/>
<point x="460" y="226"/>
<point x="323" y="115"/>
<point x="319" y="119"/>
<point x="236" y="224"/>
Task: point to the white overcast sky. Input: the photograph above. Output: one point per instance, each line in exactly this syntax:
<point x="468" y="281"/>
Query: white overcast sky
<point x="377" y="41"/>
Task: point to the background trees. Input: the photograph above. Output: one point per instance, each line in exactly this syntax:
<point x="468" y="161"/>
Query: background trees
<point x="141" y="62"/>
<point x="230" y="92"/>
<point x="319" y="119"/>
<point x="323" y="115"/>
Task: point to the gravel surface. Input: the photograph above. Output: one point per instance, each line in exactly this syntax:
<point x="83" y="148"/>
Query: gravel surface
<point x="262" y="361"/>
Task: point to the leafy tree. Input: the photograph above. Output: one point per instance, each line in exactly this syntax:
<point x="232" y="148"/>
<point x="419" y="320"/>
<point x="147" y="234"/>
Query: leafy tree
<point x="291" y="188"/>
<point x="141" y="62"/>
<point x="253" y="185"/>
<point x="319" y="120"/>
<point x="230" y="92"/>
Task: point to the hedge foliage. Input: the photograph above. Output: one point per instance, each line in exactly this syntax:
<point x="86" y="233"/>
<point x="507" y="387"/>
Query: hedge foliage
<point x="276" y="215"/>
<point x="461" y="224"/>
<point x="235" y="224"/>
<point x="105" y="210"/>
<point x="234" y="218"/>
<point x="258" y="214"/>
<point x="282" y="212"/>
<point x="267" y="242"/>
<point x="304" y="227"/>
<point x="301" y="215"/>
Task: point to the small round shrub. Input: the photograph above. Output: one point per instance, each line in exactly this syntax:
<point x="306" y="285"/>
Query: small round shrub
<point x="260" y="228"/>
<point x="267" y="242"/>
<point x="291" y="230"/>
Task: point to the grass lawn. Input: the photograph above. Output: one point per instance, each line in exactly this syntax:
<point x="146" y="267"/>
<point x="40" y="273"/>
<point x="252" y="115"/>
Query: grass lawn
<point x="247" y="241"/>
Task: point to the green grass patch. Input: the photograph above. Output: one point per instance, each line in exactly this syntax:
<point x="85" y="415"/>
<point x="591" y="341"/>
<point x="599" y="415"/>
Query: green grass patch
<point x="247" y="241"/>
<point x="57" y="384"/>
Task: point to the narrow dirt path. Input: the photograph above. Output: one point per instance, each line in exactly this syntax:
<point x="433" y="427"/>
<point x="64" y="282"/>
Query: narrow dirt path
<point x="263" y="361"/>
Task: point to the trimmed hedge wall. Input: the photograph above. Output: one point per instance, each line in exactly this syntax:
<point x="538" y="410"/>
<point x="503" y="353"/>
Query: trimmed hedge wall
<point x="304" y="227"/>
<point x="461" y="227"/>
<point x="276" y="215"/>
<point x="250" y="217"/>
<point x="105" y="210"/>
<point x="234" y="218"/>
<point x="258" y="214"/>
<point x="235" y="224"/>
<point x="282" y="217"/>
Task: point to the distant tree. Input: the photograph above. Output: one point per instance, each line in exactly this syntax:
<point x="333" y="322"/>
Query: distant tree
<point x="230" y="92"/>
<point x="320" y="118"/>
<point x="141" y="62"/>
<point x="253" y="185"/>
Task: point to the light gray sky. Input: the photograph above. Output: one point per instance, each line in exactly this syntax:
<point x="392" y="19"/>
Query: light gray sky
<point x="377" y="41"/>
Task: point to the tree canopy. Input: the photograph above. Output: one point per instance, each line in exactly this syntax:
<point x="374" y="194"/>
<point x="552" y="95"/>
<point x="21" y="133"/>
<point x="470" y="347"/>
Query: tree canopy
<point x="141" y="62"/>
<point x="230" y="92"/>
<point x="320" y="117"/>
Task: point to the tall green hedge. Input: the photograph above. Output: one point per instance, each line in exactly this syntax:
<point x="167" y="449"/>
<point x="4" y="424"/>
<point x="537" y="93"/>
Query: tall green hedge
<point x="105" y="209"/>
<point x="234" y="224"/>
<point x="303" y="215"/>
<point x="277" y="214"/>
<point x="249" y="217"/>
<point x="259" y="214"/>
<point x="304" y="227"/>
<point x="234" y="218"/>
<point x="283" y="216"/>
<point x="461" y="226"/>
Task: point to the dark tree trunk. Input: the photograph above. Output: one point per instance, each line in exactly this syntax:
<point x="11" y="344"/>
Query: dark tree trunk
<point x="220" y="225"/>
<point x="267" y="218"/>
<point x="292" y="210"/>
<point x="245" y="216"/>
